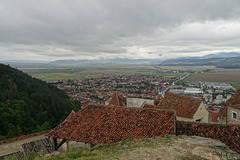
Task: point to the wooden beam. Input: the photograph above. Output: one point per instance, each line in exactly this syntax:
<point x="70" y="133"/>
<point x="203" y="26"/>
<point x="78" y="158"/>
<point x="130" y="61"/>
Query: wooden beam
<point x="55" y="143"/>
<point x="61" y="143"/>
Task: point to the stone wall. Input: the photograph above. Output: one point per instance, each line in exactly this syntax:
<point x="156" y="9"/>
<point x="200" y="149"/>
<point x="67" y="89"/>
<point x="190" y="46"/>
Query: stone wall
<point x="14" y="145"/>
<point x="18" y="155"/>
<point x="41" y="146"/>
<point x="226" y="133"/>
<point x="24" y="137"/>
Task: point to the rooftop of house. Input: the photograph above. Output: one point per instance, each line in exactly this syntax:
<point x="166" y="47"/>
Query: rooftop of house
<point x="98" y="124"/>
<point x="214" y="116"/>
<point x="223" y="112"/>
<point x="234" y="101"/>
<point x="71" y="115"/>
<point x="148" y="106"/>
<point x="185" y="106"/>
<point x="117" y="100"/>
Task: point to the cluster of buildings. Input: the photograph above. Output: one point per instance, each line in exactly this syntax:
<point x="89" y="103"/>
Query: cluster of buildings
<point x="215" y="96"/>
<point x="202" y="101"/>
<point x="212" y="93"/>
<point x="146" y="90"/>
<point x="120" y="107"/>
<point x="187" y="108"/>
<point x="121" y="118"/>
<point x="99" y="89"/>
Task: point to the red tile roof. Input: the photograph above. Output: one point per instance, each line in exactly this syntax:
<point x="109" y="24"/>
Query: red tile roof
<point x="223" y="112"/>
<point x="214" y="116"/>
<point x="71" y="115"/>
<point x="117" y="100"/>
<point x="220" y="113"/>
<point x="234" y="101"/>
<point x="185" y="106"/>
<point x="98" y="124"/>
<point x="148" y="106"/>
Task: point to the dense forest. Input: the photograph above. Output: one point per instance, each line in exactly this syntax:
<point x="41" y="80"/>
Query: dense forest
<point x="29" y="105"/>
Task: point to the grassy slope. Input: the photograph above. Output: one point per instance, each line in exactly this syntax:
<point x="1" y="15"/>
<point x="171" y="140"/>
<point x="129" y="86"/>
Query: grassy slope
<point x="150" y="148"/>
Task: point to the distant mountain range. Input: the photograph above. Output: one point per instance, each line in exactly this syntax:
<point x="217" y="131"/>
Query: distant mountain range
<point x="102" y="61"/>
<point x="75" y="63"/>
<point x="220" y="60"/>
<point x="193" y="59"/>
<point x="224" y="60"/>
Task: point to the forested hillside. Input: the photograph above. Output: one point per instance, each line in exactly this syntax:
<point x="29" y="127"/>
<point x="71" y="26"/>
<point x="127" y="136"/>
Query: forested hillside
<point x="29" y="105"/>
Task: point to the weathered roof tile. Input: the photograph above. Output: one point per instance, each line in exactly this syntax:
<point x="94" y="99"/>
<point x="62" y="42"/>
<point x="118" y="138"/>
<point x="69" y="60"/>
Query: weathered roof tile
<point x="98" y="124"/>
<point x="185" y="106"/>
<point x="117" y="100"/>
<point x="234" y="101"/>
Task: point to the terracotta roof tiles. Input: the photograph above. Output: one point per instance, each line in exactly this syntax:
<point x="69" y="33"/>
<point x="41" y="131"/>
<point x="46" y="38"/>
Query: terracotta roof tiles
<point x="148" y="106"/>
<point x="185" y="106"/>
<point x="234" y="101"/>
<point x="71" y="115"/>
<point x="98" y="124"/>
<point x="117" y="100"/>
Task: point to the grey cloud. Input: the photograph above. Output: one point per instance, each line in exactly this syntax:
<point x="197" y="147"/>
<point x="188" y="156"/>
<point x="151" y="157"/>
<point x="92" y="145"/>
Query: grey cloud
<point x="93" y="27"/>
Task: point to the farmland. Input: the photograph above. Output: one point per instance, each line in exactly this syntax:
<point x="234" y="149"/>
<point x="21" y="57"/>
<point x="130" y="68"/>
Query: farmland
<point x="55" y="74"/>
<point x="214" y="75"/>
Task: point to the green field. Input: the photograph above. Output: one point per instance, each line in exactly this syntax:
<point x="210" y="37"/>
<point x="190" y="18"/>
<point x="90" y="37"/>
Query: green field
<point x="215" y="75"/>
<point x="55" y="74"/>
<point x="187" y="67"/>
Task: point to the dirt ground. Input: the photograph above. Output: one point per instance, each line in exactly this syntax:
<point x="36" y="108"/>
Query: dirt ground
<point x="186" y="148"/>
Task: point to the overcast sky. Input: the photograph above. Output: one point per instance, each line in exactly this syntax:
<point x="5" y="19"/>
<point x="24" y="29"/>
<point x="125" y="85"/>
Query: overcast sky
<point x="95" y="29"/>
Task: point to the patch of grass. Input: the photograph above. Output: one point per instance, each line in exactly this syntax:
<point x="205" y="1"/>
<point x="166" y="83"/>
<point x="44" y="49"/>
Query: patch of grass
<point x="57" y="158"/>
<point x="219" y="148"/>
<point x="189" y="157"/>
<point x="13" y="157"/>
<point x="126" y="146"/>
<point x="116" y="150"/>
<point x="236" y="85"/>
<point x="30" y="156"/>
<point x="81" y="154"/>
